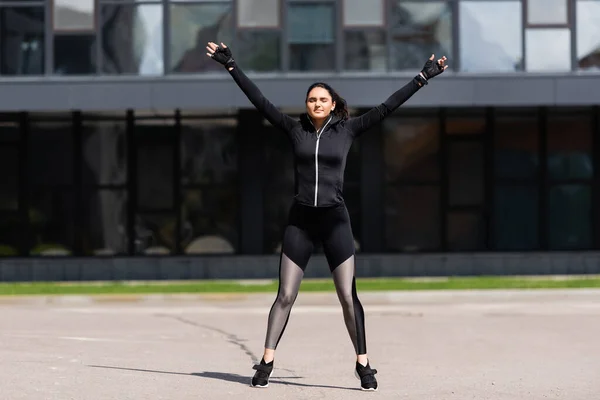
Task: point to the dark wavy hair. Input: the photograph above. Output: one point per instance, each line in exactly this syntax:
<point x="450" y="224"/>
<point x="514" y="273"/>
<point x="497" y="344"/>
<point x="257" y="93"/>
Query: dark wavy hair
<point x="341" y="108"/>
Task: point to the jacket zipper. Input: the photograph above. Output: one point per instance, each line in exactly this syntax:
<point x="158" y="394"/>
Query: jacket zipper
<point x="317" y="159"/>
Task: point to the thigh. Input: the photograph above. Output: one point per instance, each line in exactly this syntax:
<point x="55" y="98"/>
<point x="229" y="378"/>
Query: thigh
<point x="337" y="237"/>
<point x="297" y="245"/>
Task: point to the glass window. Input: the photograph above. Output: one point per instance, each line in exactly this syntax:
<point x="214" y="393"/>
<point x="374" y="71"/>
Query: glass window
<point x="209" y="218"/>
<point x="258" y="13"/>
<point x="490" y="36"/>
<point x="10" y="128"/>
<point x="258" y="50"/>
<point x="9" y="179"/>
<point x="411" y="148"/>
<point x="154" y="169"/>
<point x="412" y="218"/>
<point x="50" y="153"/>
<point x="132" y="39"/>
<point x="73" y="15"/>
<point x="10" y="233"/>
<point x="465" y="172"/>
<point x="570" y="217"/>
<point x="51" y="222"/>
<point x="516" y="147"/>
<point x="104" y="153"/>
<point x="365" y="50"/>
<point x="515" y="217"/>
<point x="363" y="13"/>
<point x="466" y="231"/>
<point x="279" y="186"/>
<point x="546" y="12"/>
<point x="470" y="123"/>
<point x="570" y="146"/>
<point x="588" y="34"/>
<point x="155" y="233"/>
<point x="418" y="30"/>
<point x="311" y="36"/>
<point x="192" y="27"/>
<point x="548" y="49"/>
<point x="209" y="152"/>
<point x="105" y="229"/>
<point x="74" y="54"/>
<point x="22" y="40"/>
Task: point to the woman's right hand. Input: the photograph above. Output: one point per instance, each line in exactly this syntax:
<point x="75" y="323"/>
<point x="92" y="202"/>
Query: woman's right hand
<point x="221" y="54"/>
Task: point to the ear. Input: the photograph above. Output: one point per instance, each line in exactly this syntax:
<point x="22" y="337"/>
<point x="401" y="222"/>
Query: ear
<point x="332" y="105"/>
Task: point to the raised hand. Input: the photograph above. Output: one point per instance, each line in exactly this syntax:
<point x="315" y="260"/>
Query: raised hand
<point x="221" y="54"/>
<point x="432" y="69"/>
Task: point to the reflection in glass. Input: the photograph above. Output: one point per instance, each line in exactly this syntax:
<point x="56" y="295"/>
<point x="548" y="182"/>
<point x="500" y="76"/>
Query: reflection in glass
<point x="365" y="50"/>
<point x="279" y="186"/>
<point x="547" y="12"/>
<point x="74" y="54"/>
<point x="516" y="147"/>
<point x="258" y="13"/>
<point x="490" y="36"/>
<point x="418" y="30"/>
<point x="132" y="39"/>
<point x="472" y="124"/>
<point x="412" y="218"/>
<point x="50" y="153"/>
<point x="548" y="49"/>
<point x="9" y="178"/>
<point x="10" y="233"/>
<point x="105" y="222"/>
<point x="209" y="219"/>
<point x="192" y="27"/>
<point x="155" y="233"/>
<point x="515" y="218"/>
<point x="154" y="169"/>
<point x="363" y="13"/>
<point x="72" y="15"/>
<point x="588" y="34"/>
<point x="570" y="216"/>
<point x="411" y="147"/>
<point x="104" y="153"/>
<point x="466" y="231"/>
<point x="51" y="222"/>
<point x="209" y="152"/>
<point x="258" y="50"/>
<point x="570" y="147"/>
<point x="311" y="36"/>
<point x="10" y="128"/>
<point x="22" y="40"/>
<point x="465" y="172"/>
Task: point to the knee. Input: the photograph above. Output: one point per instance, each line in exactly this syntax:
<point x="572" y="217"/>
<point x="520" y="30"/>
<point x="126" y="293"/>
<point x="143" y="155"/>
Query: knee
<point x="346" y="300"/>
<point x="286" y="299"/>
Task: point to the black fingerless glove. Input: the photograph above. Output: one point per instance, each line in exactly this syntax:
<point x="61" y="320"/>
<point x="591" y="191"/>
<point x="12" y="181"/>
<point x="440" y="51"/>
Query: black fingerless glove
<point x="223" y="56"/>
<point x="431" y="69"/>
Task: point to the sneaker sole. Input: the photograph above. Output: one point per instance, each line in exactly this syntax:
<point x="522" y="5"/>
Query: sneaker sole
<point x="362" y="388"/>
<point x="262" y="386"/>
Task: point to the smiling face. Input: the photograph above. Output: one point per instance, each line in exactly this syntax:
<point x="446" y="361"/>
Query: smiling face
<point x="319" y="103"/>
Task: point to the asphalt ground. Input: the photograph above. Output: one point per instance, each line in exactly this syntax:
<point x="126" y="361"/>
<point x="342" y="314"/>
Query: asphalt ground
<point x="497" y="344"/>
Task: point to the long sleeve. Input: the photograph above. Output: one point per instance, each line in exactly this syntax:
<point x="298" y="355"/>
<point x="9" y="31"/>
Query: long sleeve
<point x="364" y="122"/>
<point x="262" y="104"/>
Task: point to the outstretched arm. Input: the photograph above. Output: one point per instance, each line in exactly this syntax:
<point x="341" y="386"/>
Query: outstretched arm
<point x="222" y="54"/>
<point x="363" y="123"/>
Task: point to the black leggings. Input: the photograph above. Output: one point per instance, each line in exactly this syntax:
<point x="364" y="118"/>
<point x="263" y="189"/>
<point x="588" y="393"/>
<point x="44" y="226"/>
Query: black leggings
<point x="306" y="227"/>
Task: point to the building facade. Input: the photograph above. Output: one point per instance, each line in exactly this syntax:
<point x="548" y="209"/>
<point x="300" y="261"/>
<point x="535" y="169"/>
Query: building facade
<point x="120" y="137"/>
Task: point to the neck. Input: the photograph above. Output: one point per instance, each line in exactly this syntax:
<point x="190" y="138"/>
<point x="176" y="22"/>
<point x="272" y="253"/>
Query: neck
<point x="318" y="123"/>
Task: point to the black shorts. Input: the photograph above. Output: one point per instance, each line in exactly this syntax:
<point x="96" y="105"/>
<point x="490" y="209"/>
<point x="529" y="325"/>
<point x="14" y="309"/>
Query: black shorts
<point x="307" y="226"/>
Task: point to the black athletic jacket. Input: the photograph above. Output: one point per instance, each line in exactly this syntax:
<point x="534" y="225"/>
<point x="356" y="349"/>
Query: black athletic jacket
<point x="320" y="157"/>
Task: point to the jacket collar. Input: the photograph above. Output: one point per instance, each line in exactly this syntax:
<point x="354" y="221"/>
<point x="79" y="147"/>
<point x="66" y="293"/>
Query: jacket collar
<point x="307" y="123"/>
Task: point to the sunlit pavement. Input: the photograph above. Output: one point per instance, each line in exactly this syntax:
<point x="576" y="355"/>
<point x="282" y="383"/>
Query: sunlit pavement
<point x="542" y="344"/>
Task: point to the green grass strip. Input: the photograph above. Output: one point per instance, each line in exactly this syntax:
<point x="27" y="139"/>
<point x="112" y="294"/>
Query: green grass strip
<point x="308" y="285"/>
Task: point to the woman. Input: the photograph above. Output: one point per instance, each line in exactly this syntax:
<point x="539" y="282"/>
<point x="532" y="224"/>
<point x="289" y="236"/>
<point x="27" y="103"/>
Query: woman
<point x="321" y="139"/>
